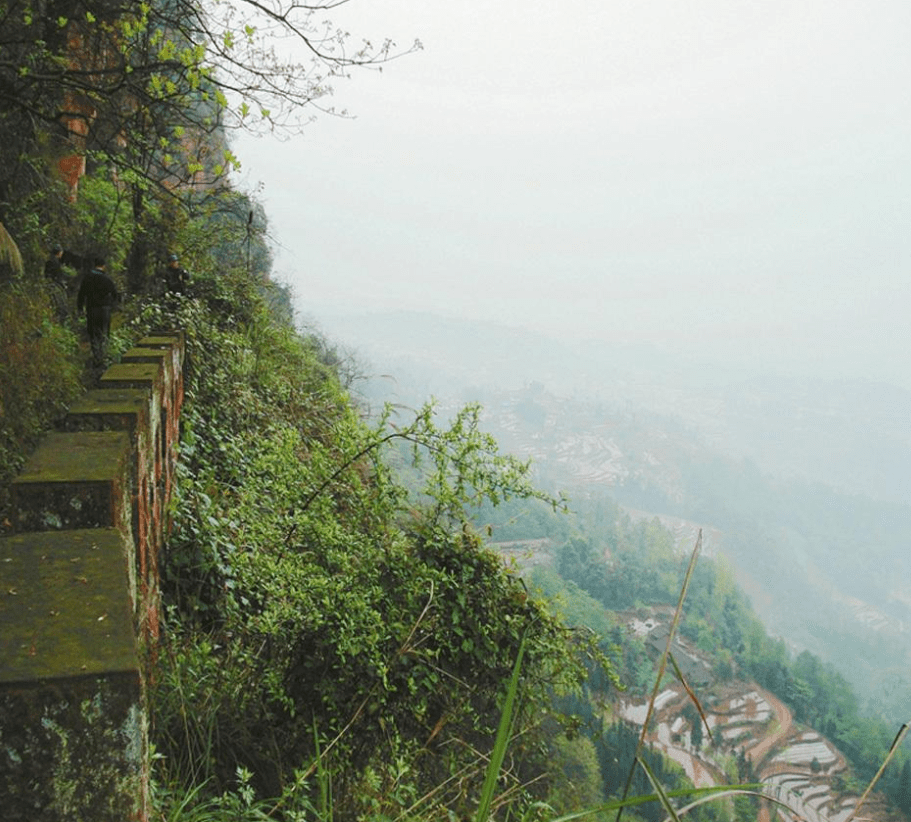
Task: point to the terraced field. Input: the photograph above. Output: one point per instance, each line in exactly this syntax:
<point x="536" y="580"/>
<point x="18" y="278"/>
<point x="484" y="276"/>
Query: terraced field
<point x="799" y="767"/>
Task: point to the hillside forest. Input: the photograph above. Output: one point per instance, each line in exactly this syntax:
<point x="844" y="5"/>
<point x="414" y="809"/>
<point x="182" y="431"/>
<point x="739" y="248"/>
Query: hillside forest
<point x="344" y="635"/>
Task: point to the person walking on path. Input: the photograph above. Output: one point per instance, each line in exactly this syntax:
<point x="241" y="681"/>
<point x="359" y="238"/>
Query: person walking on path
<point x="53" y="267"/>
<point x="59" y="257"/>
<point x="175" y="277"/>
<point x="98" y="295"/>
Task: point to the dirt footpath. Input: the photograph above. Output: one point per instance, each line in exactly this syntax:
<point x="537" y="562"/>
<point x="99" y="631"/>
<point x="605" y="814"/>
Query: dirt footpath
<point x="784" y="722"/>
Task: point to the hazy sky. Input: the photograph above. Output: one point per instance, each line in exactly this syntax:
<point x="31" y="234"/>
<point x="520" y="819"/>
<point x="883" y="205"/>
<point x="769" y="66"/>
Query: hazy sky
<point x="718" y="177"/>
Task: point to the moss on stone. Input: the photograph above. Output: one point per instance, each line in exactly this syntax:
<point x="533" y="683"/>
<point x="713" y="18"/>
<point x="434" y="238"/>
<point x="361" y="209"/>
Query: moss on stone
<point x="132" y="375"/>
<point x="78" y="751"/>
<point x="74" y="457"/>
<point x="65" y="606"/>
<point x="161" y="340"/>
<point x="73" y="727"/>
<point x="146" y="355"/>
<point x="75" y="480"/>
<point x="112" y="401"/>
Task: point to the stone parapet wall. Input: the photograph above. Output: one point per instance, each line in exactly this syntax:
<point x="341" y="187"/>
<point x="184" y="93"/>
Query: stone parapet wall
<point x="79" y="596"/>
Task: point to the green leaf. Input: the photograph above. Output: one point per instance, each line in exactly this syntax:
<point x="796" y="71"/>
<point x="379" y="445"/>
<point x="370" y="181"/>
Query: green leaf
<point x="498" y="754"/>
<point x="659" y="790"/>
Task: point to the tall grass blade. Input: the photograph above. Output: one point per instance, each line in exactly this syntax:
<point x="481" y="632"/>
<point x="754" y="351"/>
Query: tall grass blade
<point x="662" y="667"/>
<point x="731" y="791"/>
<point x="502" y="740"/>
<point x="179" y="808"/>
<point x="693" y="698"/>
<point x="895" y="746"/>
<point x="659" y="790"/>
<point x="323" y="781"/>
<point x="704" y="794"/>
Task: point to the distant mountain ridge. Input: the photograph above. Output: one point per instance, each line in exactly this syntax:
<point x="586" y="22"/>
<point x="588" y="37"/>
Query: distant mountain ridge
<point x="850" y="435"/>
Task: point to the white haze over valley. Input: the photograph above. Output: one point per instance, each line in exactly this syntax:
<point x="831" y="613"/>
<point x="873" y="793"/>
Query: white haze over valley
<point x="677" y="236"/>
<point x="727" y="182"/>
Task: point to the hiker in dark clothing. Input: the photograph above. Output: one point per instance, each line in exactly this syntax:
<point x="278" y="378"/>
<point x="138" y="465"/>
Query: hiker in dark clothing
<point x="56" y="265"/>
<point x="60" y="257"/>
<point x="175" y="277"/>
<point x="98" y="295"/>
<point x="53" y="268"/>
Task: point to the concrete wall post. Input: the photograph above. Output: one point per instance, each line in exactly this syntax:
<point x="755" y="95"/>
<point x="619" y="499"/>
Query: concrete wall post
<point x="79" y="597"/>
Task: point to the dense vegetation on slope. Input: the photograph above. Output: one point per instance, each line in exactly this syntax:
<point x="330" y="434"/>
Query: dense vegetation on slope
<point x="335" y="642"/>
<point x="615" y="564"/>
<point x="315" y="606"/>
<point x="826" y="569"/>
<point x="324" y="624"/>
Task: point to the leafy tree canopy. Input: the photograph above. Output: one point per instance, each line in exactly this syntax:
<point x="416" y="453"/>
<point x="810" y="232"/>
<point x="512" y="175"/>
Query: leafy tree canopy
<point x="150" y="87"/>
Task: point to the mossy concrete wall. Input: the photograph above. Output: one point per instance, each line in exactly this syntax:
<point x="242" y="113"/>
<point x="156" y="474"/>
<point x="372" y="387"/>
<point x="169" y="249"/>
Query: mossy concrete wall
<point x="79" y="596"/>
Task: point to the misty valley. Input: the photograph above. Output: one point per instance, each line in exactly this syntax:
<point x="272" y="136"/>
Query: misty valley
<point x="795" y="490"/>
<point x="517" y="434"/>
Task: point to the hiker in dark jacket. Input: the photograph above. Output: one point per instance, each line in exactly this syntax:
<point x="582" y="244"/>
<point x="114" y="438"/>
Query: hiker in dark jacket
<point x="58" y="265"/>
<point x="53" y="267"/>
<point x="98" y="295"/>
<point x="175" y="277"/>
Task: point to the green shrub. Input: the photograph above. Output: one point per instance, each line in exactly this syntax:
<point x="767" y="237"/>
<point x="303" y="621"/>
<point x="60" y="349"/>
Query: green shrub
<point x="319" y="612"/>
<point x="40" y="373"/>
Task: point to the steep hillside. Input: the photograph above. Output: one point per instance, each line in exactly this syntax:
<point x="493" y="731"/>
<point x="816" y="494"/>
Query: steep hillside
<point x="749" y="732"/>
<point x="733" y="705"/>
<point x="314" y="603"/>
